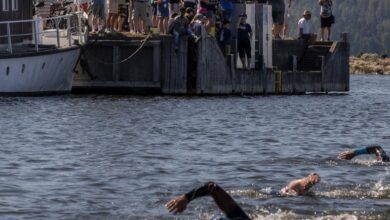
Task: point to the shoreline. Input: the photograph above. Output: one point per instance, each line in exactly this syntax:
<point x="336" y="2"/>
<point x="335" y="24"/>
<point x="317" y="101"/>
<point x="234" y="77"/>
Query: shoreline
<point x="370" y="64"/>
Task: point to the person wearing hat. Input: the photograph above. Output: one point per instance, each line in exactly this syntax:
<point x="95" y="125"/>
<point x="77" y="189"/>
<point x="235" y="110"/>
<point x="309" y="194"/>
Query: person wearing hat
<point x="304" y="26"/>
<point x="244" y="36"/>
<point x="224" y="38"/>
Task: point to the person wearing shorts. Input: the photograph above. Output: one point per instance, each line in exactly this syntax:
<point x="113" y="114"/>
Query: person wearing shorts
<point x="174" y="6"/>
<point x="97" y="11"/>
<point x="142" y="15"/>
<point x="244" y="35"/>
<point x="112" y="17"/>
<point x="278" y="8"/>
<point x="162" y="15"/>
<point x="327" y="19"/>
<point x="287" y="11"/>
<point x="122" y="13"/>
<point x="189" y="4"/>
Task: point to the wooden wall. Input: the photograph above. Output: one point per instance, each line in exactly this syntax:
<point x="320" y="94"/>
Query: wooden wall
<point x="24" y="12"/>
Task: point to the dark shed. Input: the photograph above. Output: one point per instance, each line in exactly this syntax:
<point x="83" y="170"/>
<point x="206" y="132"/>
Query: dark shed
<point x="11" y="10"/>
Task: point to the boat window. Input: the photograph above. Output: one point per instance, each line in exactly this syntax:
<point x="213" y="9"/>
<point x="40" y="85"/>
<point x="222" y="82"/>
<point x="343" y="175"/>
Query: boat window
<point x="15" y="6"/>
<point x="5" y="5"/>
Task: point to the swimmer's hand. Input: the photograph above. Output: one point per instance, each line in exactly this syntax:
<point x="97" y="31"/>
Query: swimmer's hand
<point x="347" y="155"/>
<point x="177" y="205"/>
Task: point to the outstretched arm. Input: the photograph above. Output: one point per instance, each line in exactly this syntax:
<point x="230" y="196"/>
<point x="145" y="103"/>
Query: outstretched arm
<point x="224" y="201"/>
<point x="377" y="150"/>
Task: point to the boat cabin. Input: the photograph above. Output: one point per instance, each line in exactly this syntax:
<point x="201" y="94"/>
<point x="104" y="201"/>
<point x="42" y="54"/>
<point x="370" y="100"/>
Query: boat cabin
<point x="12" y="10"/>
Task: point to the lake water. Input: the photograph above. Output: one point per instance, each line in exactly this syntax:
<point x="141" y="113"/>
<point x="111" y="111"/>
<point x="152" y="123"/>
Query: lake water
<point x="123" y="157"/>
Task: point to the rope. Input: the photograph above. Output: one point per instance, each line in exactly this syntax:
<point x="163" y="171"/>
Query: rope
<point x="127" y="58"/>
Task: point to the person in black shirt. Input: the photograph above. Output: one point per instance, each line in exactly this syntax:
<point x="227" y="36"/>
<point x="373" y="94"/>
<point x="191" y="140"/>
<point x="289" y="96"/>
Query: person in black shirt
<point x="244" y="36"/>
<point x="224" y="38"/>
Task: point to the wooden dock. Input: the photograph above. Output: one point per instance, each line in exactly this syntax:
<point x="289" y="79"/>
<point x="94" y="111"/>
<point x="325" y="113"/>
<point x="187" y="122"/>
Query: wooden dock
<point x="201" y="69"/>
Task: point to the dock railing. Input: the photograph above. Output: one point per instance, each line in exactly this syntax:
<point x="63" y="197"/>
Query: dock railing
<point x="63" y="30"/>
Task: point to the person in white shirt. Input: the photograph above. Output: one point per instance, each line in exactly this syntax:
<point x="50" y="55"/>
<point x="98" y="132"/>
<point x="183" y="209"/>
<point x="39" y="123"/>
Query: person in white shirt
<point x="304" y="26"/>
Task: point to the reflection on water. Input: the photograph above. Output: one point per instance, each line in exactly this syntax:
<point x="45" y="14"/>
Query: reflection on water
<point x="113" y="157"/>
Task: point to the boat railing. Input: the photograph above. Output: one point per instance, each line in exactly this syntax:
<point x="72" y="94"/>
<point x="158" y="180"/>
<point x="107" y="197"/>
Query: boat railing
<point x="60" y="31"/>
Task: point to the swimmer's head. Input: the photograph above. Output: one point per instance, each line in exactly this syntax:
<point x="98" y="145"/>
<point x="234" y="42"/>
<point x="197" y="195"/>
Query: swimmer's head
<point x="313" y="178"/>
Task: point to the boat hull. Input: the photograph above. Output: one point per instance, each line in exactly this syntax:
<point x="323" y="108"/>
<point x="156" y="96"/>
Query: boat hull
<point x="38" y="73"/>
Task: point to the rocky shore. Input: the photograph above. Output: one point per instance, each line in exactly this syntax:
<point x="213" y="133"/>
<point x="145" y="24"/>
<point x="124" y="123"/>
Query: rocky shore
<point x="369" y="64"/>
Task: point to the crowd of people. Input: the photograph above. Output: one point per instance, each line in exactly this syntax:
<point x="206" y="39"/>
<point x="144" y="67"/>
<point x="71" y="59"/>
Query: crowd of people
<point x="141" y="15"/>
<point x="194" y="17"/>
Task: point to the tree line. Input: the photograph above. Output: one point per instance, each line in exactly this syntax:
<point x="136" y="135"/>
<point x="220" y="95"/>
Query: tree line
<point x="366" y="21"/>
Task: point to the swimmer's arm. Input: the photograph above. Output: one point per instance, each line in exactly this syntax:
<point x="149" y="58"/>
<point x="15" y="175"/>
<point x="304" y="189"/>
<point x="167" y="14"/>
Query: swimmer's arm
<point x="224" y="201"/>
<point x="377" y="150"/>
<point x="295" y="186"/>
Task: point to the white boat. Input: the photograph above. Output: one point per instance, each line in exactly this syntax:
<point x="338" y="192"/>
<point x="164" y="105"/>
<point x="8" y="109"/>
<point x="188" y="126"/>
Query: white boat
<point x="44" y="64"/>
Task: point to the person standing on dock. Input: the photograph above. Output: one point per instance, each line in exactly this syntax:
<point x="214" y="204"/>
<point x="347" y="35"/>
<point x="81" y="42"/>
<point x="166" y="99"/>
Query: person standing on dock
<point x="97" y="9"/>
<point x="142" y="16"/>
<point x="244" y="36"/>
<point x="287" y="12"/>
<point x="377" y="150"/>
<point x="174" y="6"/>
<point x="112" y="17"/>
<point x="162" y="15"/>
<point x="227" y="204"/>
<point x="227" y="9"/>
<point x="224" y="38"/>
<point x="327" y="19"/>
<point x="189" y="4"/>
<point x="278" y="8"/>
<point x="122" y="14"/>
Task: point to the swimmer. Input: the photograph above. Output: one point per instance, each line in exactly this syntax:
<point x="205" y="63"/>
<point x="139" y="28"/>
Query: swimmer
<point x="227" y="204"/>
<point x="377" y="150"/>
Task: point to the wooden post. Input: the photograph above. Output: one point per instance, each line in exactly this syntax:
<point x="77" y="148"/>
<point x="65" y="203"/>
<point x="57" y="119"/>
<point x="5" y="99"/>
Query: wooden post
<point x="116" y="66"/>
<point x="295" y="66"/>
<point x="156" y="62"/>
<point x="323" y="75"/>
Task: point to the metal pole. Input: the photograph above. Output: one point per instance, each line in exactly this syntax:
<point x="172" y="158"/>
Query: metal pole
<point x="35" y="25"/>
<point x="68" y="30"/>
<point x="80" y="30"/>
<point x="57" y="22"/>
<point x="9" y="38"/>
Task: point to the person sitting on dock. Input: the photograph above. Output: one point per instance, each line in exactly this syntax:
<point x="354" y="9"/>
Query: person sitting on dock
<point x="304" y="26"/>
<point x="227" y="204"/>
<point x="377" y="150"/>
<point x="180" y="27"/>
<point x="244" y="36"/>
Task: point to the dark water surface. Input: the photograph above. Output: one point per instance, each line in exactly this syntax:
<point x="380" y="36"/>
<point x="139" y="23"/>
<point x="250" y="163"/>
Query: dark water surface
<point x="123" y="157"/>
